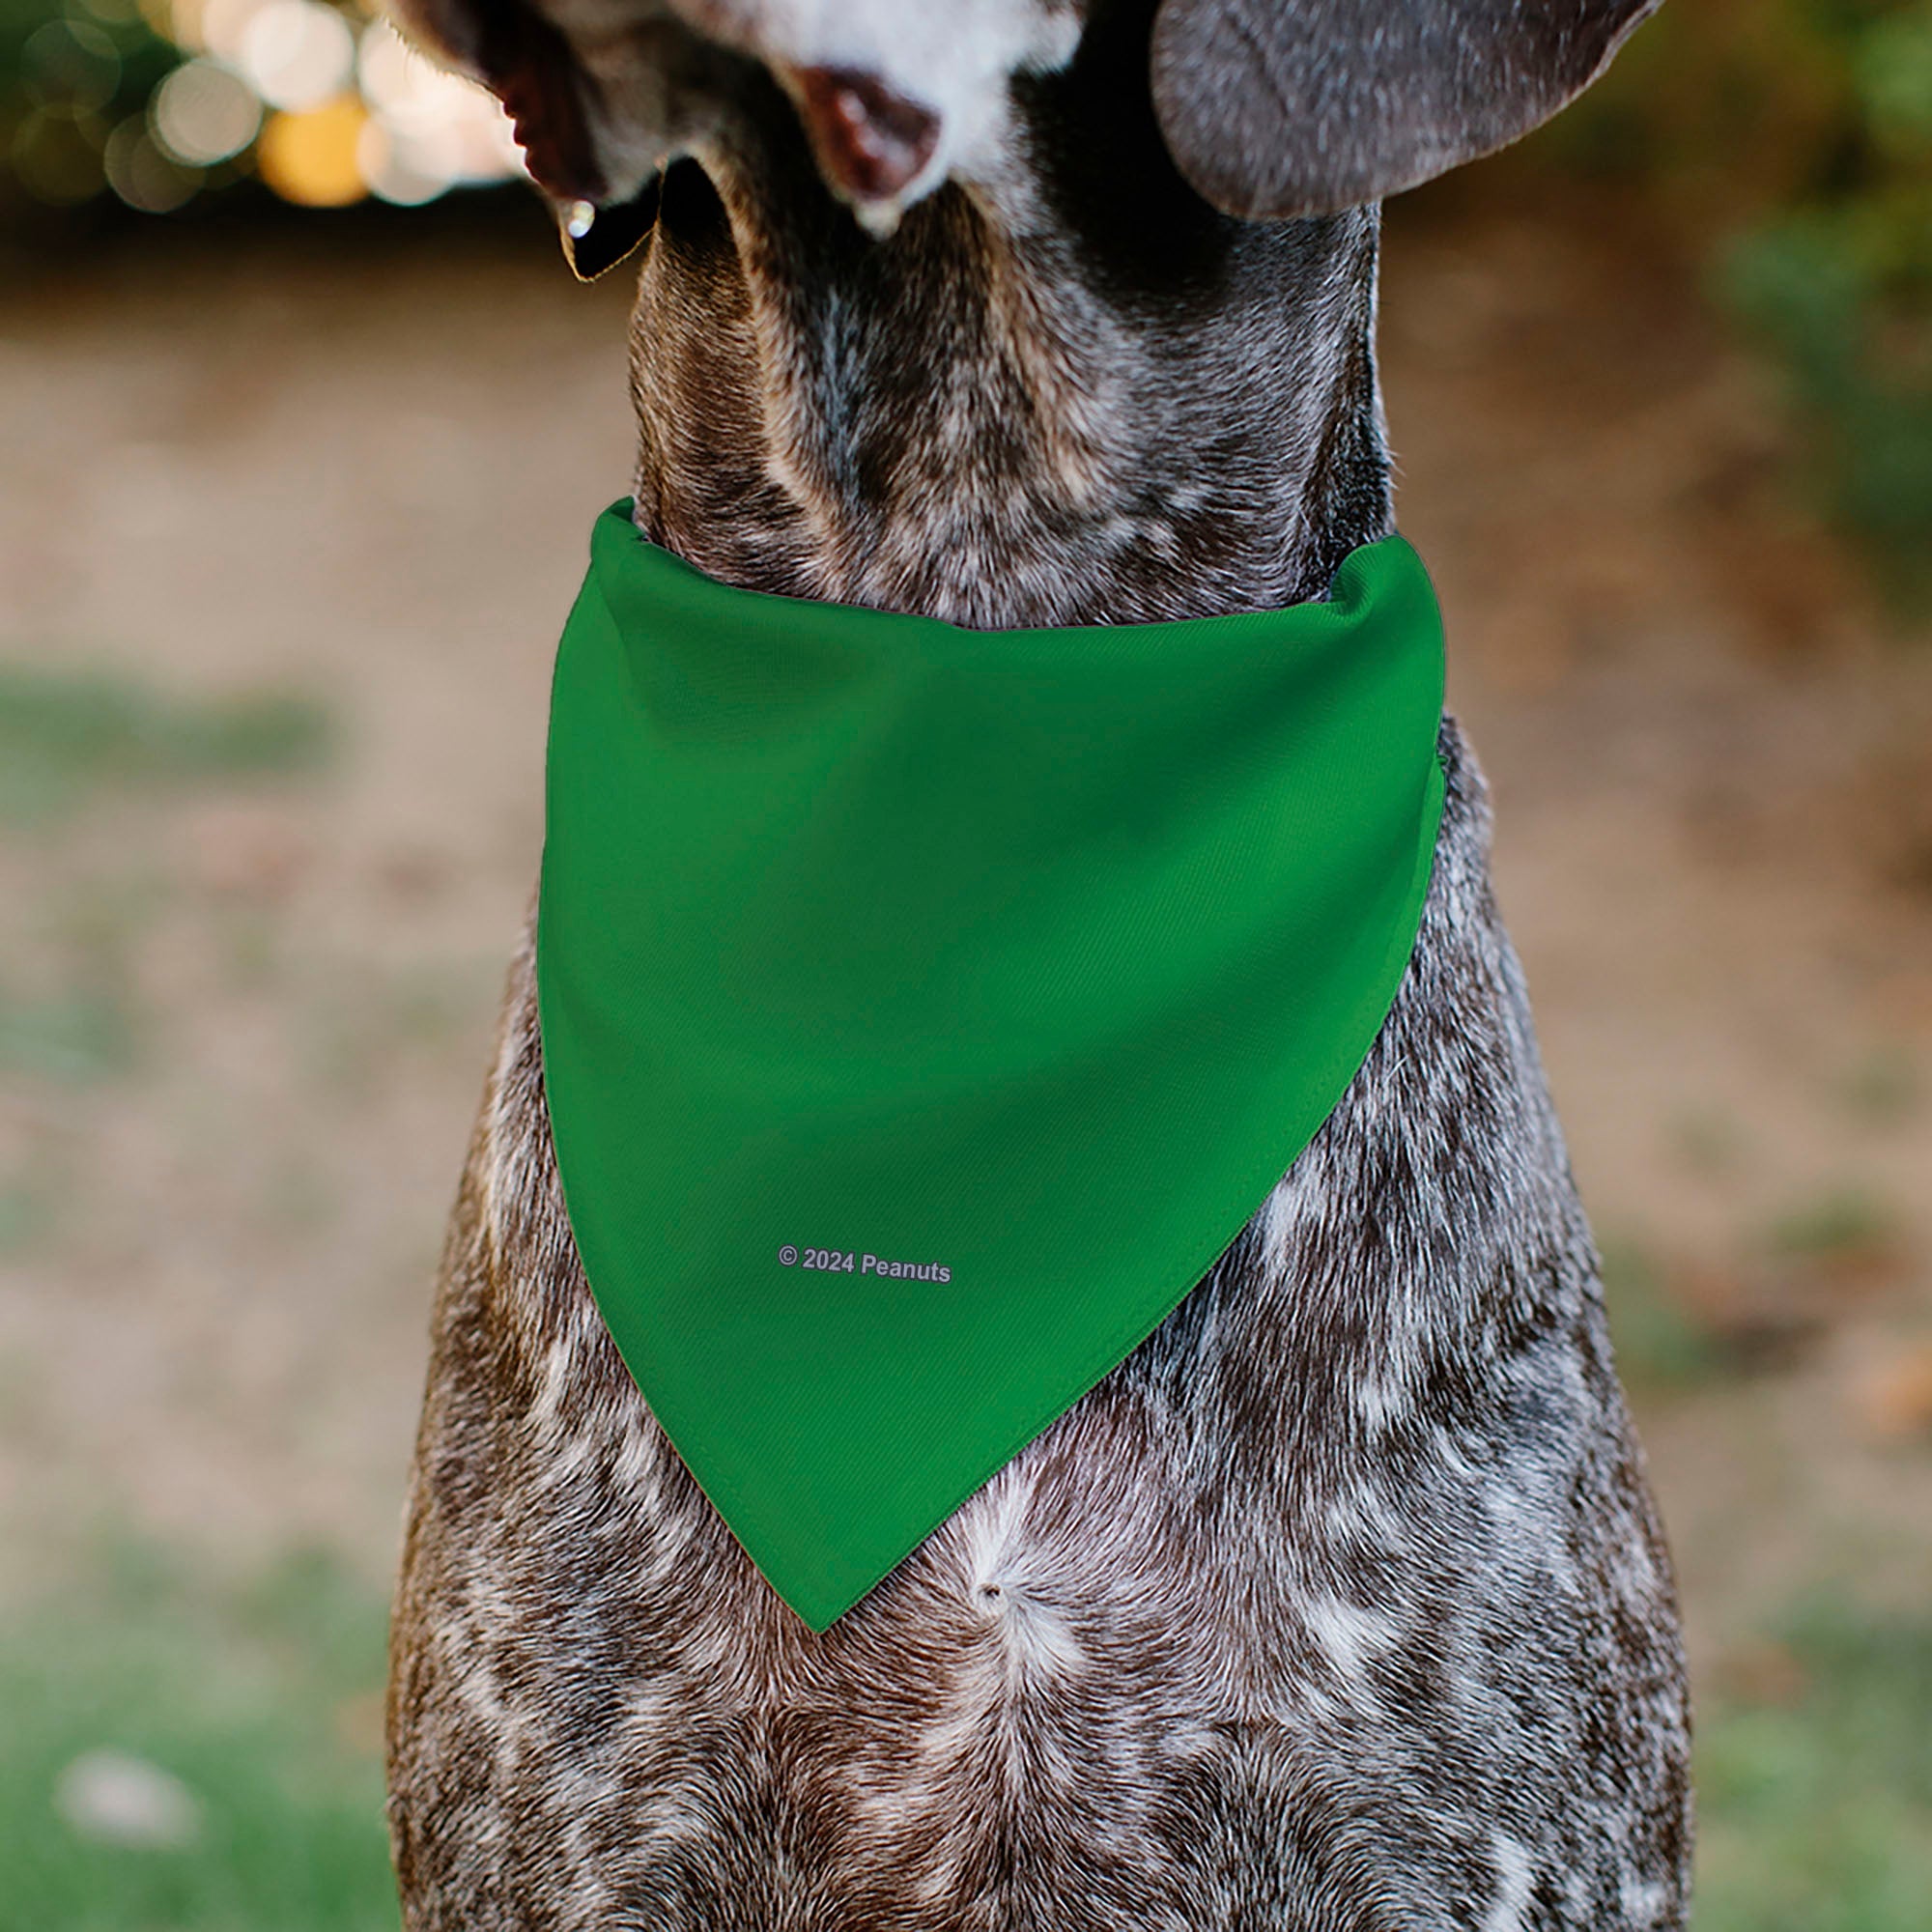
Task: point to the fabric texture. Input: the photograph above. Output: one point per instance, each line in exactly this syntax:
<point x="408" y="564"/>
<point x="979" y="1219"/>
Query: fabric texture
<point x="924" y="1010"/>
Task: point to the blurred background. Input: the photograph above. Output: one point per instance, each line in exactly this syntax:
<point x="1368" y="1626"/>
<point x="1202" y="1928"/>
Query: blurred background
<point x="304" y="423"/>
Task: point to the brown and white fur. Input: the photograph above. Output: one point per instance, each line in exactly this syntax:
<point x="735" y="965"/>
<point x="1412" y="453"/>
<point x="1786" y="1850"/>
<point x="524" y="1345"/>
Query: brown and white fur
<point x="1341" y="1606"/>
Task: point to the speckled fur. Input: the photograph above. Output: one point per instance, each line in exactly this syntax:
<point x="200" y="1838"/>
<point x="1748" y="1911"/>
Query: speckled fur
<point x="1341" y="1606"/>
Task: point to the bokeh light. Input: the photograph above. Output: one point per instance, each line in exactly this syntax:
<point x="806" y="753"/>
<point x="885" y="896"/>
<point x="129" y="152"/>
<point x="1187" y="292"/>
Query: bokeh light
<point x="297" y="54"/>
<point x="159" y="102"/>
<point x="429" y="130"/>
<point x="73" y="61"/>
<point x="56" y="153"/>
<point x="311" y="157"/>
<point x="142" y="174"/>
<point x="204" y="112"/>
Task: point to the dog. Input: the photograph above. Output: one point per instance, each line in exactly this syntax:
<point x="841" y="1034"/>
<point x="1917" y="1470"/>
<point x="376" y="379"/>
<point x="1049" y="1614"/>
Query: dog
<point x="1341" y="1604"/>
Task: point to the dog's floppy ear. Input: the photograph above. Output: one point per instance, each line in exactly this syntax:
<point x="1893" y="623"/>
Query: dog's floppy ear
<point x="1284" y="107"/>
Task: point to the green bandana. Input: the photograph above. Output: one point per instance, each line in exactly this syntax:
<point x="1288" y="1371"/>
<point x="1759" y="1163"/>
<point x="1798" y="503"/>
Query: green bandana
<point x="924" y="1010"/>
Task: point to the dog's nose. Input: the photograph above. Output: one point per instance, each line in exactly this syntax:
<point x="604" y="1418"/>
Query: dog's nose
<point x="870" y="141"/>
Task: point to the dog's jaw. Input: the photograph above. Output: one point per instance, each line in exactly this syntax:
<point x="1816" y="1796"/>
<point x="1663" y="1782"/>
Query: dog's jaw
<point x="1065" y="390"/>
<point x="895" y="99"/>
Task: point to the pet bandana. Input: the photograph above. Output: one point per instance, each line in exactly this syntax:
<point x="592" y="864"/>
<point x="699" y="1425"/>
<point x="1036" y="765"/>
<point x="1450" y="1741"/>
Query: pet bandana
<point x="924" y="1010"/>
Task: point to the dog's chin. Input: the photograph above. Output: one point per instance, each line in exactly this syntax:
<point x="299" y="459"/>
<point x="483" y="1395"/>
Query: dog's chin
<point x="596" y="236"/>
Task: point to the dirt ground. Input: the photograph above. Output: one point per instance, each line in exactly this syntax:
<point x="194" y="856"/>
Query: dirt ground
<point x="244" y="1024"/>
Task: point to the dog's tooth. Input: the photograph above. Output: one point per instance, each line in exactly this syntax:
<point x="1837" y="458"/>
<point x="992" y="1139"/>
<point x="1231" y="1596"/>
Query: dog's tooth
<point x="579" y="219"/>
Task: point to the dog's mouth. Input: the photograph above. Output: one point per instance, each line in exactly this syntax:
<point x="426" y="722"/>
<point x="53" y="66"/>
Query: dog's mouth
<point x="869" y="142"/>
<point x="528" y="62"/>
<point x="875" y="147"/>
<point x="525" y="61"/>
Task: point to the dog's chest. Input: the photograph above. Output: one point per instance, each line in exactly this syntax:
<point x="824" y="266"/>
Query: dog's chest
<point x="1318" y="1612"/>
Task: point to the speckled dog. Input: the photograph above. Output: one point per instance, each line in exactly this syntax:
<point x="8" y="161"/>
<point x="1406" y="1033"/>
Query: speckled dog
<point x="1341" y="1603"/>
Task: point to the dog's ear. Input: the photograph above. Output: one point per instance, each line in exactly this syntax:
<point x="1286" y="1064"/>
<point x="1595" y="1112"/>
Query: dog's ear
<point x="1285" y="107"/>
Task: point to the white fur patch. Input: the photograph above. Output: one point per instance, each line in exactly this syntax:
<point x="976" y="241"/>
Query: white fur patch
<point x="1348" y="1636"/>
<point x="1515" y="1874"/>
<point x="954" y="60"/>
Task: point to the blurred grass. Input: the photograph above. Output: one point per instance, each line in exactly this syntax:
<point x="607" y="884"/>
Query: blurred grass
<point x="1815" y="1802"/>
<point x="24" y="1214"/>
<point x="72" y="740"/>
<point x="1681" y="1322"/>
<point x="1790" y="143"/>
<point x="260" y="1700"/>
<point x="1660" y="1345"/>
<point x="1843" y="1223"/>
<point x="66" y="736"/>
<point x="70" y="1037"/>
<point x="1883" y="1088"/>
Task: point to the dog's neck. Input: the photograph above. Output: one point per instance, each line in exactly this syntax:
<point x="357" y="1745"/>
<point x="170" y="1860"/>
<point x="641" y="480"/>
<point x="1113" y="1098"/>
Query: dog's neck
<point x="1074" y="396"/>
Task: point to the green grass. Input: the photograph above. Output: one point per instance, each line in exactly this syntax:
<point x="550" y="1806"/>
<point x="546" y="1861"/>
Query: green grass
<point x="1846" y="1221"/>
<point x="73" y="1037"/>
<point x="1883" y="1089"/>
<point x="259" y="1703"/>
<point x="66" y="736"/>
<point x="1709" y="1142"/>
<point x="1815" y="1814"/>
<point x="1661" y="1344"/>
<point x="26" y="1212"/>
